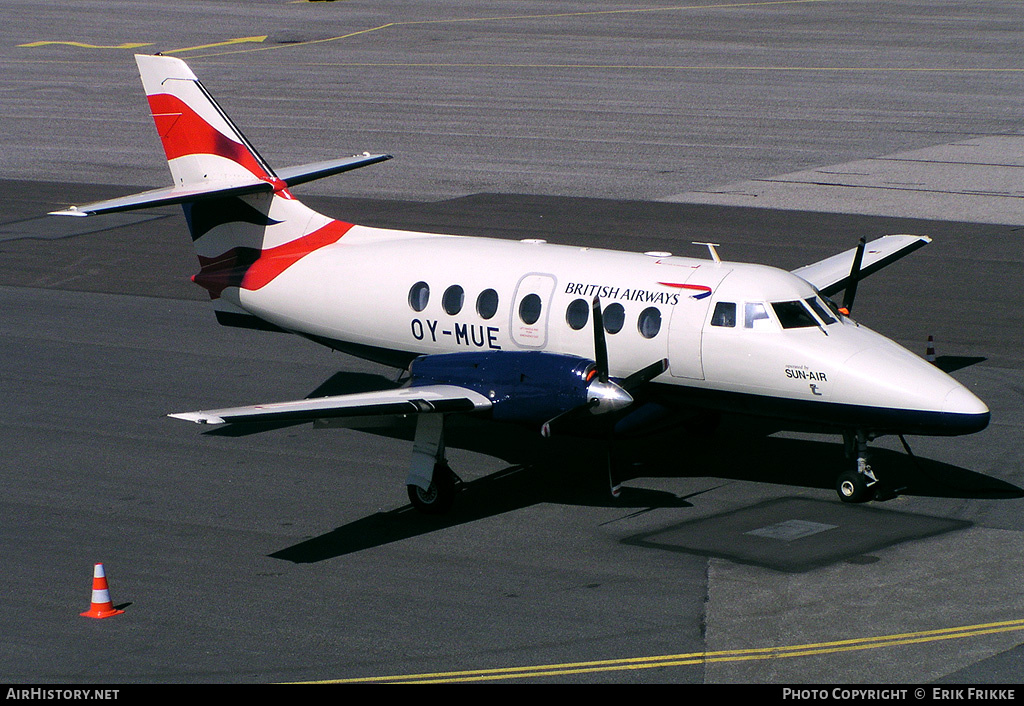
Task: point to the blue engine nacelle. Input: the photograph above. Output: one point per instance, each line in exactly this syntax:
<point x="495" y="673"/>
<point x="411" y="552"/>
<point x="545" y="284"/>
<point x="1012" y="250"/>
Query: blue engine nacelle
<point x="524" y="386"/>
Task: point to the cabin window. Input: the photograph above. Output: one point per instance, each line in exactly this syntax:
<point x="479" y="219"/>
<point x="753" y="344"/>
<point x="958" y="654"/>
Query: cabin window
<point x="452" y="299"/>
<point x="725" y="314"/>
<point x="419" y="295"/>
<point x="793" y="315"/>
<point x="821" y="310"/>
<point x="487" y="303"/>
<point x="756" y="316"/>
<point x="529" y="309"/>
<point x="614" y="318"/>
<point x="578" y="314"/>
<point x="649" y="322"/>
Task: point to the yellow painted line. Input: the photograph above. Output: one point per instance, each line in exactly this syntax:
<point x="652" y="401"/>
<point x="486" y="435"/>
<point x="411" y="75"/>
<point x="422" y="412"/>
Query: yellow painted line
<point x="299" y="44"/>
<point x="588" y="13"/>
<point x="665" y="67"/>
<point x="90" y="46"/>
<point x="239" y="40"/>
<point x="627" y="11"/>
<point x="411" y="23"/>
<point x="136" y="45"/>
<point x="692" y="658"/>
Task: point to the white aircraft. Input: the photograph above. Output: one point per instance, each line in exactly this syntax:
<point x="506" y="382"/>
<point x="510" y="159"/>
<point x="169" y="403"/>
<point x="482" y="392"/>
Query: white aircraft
<point x="567" y="339"/>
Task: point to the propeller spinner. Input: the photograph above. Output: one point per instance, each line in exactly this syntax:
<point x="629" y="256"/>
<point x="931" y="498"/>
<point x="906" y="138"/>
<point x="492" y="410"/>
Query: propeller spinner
<point x="603" y="394"/>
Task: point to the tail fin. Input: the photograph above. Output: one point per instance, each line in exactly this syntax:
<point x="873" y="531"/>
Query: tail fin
<point x="246" y="226"/>
<point x="200" y="141"/>
<point x="232" y="233"/>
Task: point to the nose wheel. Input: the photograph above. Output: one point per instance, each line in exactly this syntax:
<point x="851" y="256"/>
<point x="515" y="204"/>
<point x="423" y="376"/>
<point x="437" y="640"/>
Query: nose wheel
<point x="854" y="487"/>
<point x="859" y="485"/>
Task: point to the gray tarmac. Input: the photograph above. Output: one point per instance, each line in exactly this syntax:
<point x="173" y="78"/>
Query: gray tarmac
<point x="292" y="555"/>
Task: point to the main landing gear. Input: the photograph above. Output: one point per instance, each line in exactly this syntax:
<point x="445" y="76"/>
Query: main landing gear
<point x="859" y="485"/>
<point x="439" y="496"/>
<point x="432" y="485"/>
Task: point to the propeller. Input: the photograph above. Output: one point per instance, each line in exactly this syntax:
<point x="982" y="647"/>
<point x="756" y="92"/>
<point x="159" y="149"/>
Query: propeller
<point x="600" y="345"/>
<point x="603" y="394"/>
<point x="851" y="288"/>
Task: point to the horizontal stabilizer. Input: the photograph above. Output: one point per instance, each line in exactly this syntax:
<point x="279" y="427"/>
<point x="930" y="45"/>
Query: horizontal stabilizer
<point x="168" y="196"/>
<point x="406" y="400"/>
<point x="832" y="274"/>
<point x="223" y="188"/>
<point x="293" y="176"/>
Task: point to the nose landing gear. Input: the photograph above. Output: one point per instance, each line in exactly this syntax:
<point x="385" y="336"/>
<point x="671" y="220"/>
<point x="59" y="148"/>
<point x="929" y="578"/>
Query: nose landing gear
<point x="860" y="485"/>
<point x="855" y="487"/>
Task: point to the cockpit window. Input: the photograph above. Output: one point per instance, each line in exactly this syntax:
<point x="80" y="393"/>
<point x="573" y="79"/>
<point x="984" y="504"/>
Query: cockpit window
<point x="821" y="310"/>
<point x="755" y="316"/>
<point x="793" y="315"/>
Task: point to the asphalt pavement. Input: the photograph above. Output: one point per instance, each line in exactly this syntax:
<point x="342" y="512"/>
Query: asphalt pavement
<point x="293" y="555"/>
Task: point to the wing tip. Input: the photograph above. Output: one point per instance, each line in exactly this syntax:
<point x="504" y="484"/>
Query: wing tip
<point x="197" y="417"/>
<point x="69" y="211"/>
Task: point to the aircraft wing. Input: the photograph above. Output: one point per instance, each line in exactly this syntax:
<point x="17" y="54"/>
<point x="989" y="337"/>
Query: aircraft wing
<point x="832" y="274"/>
<point x="422" y="399"/>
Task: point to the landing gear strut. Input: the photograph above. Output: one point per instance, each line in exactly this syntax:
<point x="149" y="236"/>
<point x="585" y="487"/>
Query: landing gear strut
<point x="860" y="485"/>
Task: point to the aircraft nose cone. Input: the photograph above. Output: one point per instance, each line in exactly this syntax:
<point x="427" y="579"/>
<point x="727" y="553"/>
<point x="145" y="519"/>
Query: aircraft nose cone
<point x="961" y="401"/>
<point x="911" y="395"/>
<point x="965" y="411"/>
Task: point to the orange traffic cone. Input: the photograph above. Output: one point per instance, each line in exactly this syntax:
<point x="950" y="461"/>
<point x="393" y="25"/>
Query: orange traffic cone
<point x="929" y="353"/>
<point x="101" y="606"/>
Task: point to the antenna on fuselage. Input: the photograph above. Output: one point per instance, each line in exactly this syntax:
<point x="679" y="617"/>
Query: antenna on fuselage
<point x="711" y="249"/>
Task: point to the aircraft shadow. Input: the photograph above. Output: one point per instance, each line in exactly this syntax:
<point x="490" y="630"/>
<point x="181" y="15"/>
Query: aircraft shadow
<point x="573" y="471"/>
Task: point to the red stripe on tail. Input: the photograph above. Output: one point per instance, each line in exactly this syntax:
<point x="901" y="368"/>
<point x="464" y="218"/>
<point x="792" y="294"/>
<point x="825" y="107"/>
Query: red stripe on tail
<point x="183" y="132"/>
<point x="253" y="269"/>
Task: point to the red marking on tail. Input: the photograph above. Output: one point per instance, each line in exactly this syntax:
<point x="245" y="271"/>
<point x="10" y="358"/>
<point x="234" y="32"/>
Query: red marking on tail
<point x="253" y="269"/>
<point x="183" y="132"/>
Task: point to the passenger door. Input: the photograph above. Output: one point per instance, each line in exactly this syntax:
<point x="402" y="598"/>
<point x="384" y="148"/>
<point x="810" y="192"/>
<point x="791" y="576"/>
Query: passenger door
<point x="688" y="317"/>
<point x="531" y="305"/>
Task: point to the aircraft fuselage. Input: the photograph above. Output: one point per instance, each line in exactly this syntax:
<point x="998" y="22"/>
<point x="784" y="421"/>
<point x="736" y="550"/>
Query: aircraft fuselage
<point x="738" y="337"/>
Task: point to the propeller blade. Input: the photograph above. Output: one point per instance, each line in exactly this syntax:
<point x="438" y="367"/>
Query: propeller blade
<point x="612" y="398"/>
<point x="564" y="419"/>
<point x="851" y="288"/>
<point x="600" y="345"/>
<point x="605" y="397"/>
<point x="644" y="375"/>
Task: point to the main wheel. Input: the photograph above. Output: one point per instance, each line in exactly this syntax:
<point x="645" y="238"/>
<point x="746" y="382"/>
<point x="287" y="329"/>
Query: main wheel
<point x="439" y="497"/>
<point x="853" y="487"/>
